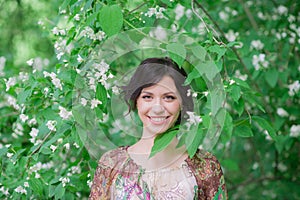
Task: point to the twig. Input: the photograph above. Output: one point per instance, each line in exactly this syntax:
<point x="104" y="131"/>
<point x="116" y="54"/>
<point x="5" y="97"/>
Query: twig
<point x="205" y="25"/>
<point x="137" y="8"/>
<point x="37" y="149"/>
<point x="249" y="15"/>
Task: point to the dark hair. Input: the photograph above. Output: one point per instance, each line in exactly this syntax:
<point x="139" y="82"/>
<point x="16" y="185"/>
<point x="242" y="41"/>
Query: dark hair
<point x="151" y="71"/>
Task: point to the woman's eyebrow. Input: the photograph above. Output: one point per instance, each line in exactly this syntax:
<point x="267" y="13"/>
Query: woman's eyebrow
<point x="147" y="92"/>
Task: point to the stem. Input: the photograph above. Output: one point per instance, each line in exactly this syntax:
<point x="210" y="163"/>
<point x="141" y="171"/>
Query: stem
<point x="137" y="8"/>
<point x="249" y="15"/>
<point x="37" y="149"/>
<point x="206" y="27"/>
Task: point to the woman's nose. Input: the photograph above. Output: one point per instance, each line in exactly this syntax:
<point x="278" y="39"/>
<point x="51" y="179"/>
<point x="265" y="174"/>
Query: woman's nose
<point x="158" y="108"/>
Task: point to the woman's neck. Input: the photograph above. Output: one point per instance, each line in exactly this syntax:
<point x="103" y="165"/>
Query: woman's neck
<point x="171" y="156"/>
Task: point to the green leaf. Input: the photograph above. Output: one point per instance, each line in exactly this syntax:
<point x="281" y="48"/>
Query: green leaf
<point x="111" y="19"/>
<point x="235" y="92"/>
<point x="220" y="50"/>
<point x="271" y="77"/>
<point x="101" y="94"/>
<point x="227" y="128"/>
<point x="177" y="52"/>
<point x="243" y="131"/>
<point x="264" y="124"/>
<point x="23" y="95"/>
<point x="241" y="83"/>
<point x="162" y="141"/>
<point x="36" y="185"/>
<point x="239" y="106"/>
<point x="191" y="76"/>
<point x="193" y="141"/>
<point x="208" y="68"/>
<point x="3" y="151"/>
<point x="281" y="142"/>
<point x="59" y="191"/>
<point x="199" y="52"/>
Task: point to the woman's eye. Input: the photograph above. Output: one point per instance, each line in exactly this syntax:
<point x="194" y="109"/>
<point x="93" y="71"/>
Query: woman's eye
<point x="170" y="97"/>
<point x="146" y="97"/>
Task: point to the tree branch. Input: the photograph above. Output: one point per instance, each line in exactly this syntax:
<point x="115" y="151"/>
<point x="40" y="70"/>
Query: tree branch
<point x="249" y="15"/>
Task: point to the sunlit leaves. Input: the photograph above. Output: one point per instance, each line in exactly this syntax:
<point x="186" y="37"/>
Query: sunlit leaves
<point x="177" y="52"/>
<point x="111" y="19"/>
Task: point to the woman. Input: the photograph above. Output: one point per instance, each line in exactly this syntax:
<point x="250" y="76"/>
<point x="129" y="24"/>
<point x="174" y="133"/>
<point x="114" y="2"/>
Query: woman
<point x="156" y="91"/>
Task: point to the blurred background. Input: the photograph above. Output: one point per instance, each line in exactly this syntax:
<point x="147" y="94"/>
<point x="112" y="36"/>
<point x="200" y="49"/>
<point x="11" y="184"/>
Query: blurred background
<point x="255" y="44"/>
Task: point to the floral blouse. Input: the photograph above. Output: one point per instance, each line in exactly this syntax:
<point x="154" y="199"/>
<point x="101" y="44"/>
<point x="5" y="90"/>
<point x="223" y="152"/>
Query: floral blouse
<point x="118" y="177"/>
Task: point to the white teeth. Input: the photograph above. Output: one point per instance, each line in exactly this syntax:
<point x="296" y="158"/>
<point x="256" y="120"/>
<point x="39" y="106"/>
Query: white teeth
<point x="158" y="119"/>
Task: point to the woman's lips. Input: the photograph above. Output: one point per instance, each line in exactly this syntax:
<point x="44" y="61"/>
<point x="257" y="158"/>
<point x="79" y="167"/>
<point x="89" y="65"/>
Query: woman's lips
<point x="158" y="120"/>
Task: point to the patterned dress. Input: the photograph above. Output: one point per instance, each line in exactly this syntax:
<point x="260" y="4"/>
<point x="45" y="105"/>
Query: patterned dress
<point x="118" y="177"/>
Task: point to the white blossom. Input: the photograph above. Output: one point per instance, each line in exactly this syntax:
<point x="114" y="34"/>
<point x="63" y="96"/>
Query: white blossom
<point x="63" y="11"/>
<point x="37" y="176"/>
<point x="79" y="59"/>
<point x="282" y="167"/>
<point x="157" y="12"/>
<point x="282" y="10"/>
<point x="26" y="184"/>
<point x="193" y="119"/>
<point x="64" y="180"/>
<point x="30" y="62"/>
<point x="259" y="61"/>
<point x="294" y="88"/>
<point x="76" y="145"/>
<point x="95" y="103"/>
<point x="295" y="131"/>
<point x="268" y="137"/>
<point x="256" y="44"/>
<point x="223" y="16"/>
<point x="115" y="90"/>
<point x="4" y="191"/>
<point x="34" y="132"/>
<point x="83" y="101"/>
<point x="23" y="117"/>
<point x="23" y="76"/>
<point x="179" y="11"/>
<point x="77" y="17"/>
<point x="10" y="82"/>
<point x="55" y="81"/>
<point x="51" y="125"/>
<point x="21" y="190"/>
<point x="159" y="32"/>
<point x="57" y="31"/>
<point x="189" y="92"/>
<point x="2" y="65"/>
<point x="282" y="113"/>
<point x="99" y="36"/>
<point x="261" y="16"/>
<point x="59" y="140"/>
<point x="238" y="74"/>
<point x="89" y="183"/>
<point x="53" y="148"/>
<point x="63" y="113"/>
<point x="231" y="35"/>
<point x="9" y="155"/>
<point x="67" y="146"/>
<point x="32" y="122"/>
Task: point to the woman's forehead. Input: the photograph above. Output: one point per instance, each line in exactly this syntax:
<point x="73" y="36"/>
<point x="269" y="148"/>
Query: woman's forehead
<point x="166" y="84"/>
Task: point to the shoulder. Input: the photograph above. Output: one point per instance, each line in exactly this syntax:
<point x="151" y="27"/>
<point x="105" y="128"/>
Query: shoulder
<point x="205" y="162"/>
<point x="112" y="157"/>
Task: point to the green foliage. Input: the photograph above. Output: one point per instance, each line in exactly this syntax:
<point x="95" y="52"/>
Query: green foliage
<point x="60" y="111"/>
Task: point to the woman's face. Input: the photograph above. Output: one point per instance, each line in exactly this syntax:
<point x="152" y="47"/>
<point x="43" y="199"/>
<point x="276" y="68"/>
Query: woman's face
<point x="159" y="106"/>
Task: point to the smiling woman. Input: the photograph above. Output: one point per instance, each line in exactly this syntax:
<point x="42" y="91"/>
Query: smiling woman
<point x="156" y="90"/>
